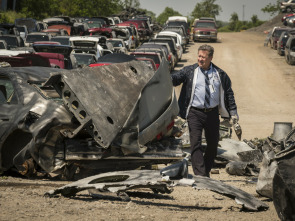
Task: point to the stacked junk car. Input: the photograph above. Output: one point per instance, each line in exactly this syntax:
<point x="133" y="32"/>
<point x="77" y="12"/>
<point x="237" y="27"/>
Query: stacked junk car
<point x="76" y="123"/>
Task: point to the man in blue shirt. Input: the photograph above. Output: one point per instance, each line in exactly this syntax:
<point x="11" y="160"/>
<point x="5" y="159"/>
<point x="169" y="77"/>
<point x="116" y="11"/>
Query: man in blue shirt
<point x="206" y="93"/>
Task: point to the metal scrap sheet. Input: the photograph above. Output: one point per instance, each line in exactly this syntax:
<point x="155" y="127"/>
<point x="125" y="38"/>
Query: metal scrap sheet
<point x="102" y="98"/>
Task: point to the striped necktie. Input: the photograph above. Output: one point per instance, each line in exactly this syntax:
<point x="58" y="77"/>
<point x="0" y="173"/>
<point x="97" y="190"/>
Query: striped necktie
<point x="207" y="94"/>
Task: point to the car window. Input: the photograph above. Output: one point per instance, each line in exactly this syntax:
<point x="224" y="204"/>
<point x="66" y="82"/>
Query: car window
<point x="33" y="38"/>
<point x="21" y="29"/>
<point x="63" y="41"/>
<point x="7" y="94"/>
<point x="154" y="57"/>
<point x="116" y="43"/>
<point x="84" y="59"/>
<point x="2" y="45"/>
<point x="94" y="24"/>
<point x="277" y="33"/>
<point x="11" y="41"/>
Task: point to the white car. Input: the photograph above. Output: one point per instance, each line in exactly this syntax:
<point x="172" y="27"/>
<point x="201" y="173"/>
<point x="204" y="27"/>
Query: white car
<point x="126" y="35"/>
<point x="85" y="44"/>
<point x="177" y="18"/>
<point x="180" y="45"/>
<point x="118" y="44"/>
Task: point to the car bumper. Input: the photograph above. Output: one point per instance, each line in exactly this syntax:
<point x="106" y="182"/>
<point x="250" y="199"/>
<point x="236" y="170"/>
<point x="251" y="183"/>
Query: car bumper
<point x="205" y="37"/>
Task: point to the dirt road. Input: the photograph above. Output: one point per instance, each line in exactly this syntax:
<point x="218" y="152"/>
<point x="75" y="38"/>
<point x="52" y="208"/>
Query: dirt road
<point x="264" y="90"/>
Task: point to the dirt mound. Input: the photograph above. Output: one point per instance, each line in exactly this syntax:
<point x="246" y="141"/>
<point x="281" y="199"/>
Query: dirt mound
<point x="274" y="22"/>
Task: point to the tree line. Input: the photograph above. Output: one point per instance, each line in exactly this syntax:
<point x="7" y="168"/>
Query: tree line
<point x="89" y="8"/>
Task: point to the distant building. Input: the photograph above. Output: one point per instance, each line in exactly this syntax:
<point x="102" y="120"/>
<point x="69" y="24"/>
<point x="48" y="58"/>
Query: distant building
<point x="7" y="5"/>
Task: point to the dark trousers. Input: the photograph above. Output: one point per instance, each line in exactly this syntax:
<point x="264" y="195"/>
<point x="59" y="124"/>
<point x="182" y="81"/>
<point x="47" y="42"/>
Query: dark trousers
<point x="202" y="161"/>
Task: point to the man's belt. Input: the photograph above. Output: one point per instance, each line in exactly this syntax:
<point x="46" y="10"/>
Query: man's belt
<point x="205" y="109"/>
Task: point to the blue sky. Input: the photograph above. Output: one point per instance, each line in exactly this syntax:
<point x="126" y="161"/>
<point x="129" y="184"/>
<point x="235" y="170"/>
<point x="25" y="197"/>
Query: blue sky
<point x="185" y="7"/>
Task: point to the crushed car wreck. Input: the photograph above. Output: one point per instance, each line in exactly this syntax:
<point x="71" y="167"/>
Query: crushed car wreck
<point x="80" y="122"/>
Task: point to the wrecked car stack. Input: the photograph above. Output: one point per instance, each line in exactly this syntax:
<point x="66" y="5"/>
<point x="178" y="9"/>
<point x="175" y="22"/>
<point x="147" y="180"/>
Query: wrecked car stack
<point x="88" y="120"/>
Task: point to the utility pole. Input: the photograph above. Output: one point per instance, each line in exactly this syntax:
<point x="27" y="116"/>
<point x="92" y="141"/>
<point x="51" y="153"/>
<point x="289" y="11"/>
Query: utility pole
<point x="243" y="12"/>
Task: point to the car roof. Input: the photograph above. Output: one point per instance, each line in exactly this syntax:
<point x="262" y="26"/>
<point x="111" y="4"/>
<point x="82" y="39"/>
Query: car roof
<point x="145" y="52"/>
<point x="84" y="38"/>
<point x="61" y="36"/>
<point x="38" y="33"/>
<point x="115" y="58"/>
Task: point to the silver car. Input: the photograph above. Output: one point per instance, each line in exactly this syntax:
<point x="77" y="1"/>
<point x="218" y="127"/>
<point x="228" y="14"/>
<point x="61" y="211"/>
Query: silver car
<point x="287" y="5"/>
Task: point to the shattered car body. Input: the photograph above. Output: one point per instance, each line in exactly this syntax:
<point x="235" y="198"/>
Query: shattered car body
<point x="88" y="120"/>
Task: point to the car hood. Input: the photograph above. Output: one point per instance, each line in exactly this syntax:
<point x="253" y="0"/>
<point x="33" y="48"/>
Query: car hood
<point x="60" y="49"/>
<point x="84" y="44"/>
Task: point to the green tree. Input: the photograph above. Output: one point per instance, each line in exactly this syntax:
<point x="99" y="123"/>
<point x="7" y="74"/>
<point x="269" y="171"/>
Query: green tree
<point x="4" y="18"/>
<point x="206" y="8"/>
<point x="168" y="12"/>
<point x="131" y="4"/>
<point x="88" y="8"/>
<point x="272" y="8"/>
<point x="233" y="21"/>
<point x="254" y="19"/>
<point x="36" y="9"/>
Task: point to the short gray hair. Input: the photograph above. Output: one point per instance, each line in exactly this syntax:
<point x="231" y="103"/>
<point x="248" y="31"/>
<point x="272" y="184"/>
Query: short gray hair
<point x="208" y="48"/>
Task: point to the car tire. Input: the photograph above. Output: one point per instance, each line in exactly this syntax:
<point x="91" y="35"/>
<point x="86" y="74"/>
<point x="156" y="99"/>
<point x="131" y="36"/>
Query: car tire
<point x="279" y="52"/>
<point x="287" y="59"/>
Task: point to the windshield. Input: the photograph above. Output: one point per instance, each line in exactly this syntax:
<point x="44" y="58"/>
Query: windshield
<point x="2" y="45"/>
<point x="122" y="34"/>
<point x="154" y="57"/>
<point x="11" y="41"/>
<point x="85" y="59"/>
<point x="21" y="29"/>
<point x="33" y="38"/>
<point x="94" y="24"/>
<point x="116" y="43"/>
<point x="167" y="36"/>
<point x="177" y="23"/>
<point x="63" y="41"/>
<point x="278" y="33"/>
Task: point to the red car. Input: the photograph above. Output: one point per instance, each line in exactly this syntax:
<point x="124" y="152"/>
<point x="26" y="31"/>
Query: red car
<point x="142" y="31"/>
<point x="205" y="30"/>
<point x="107" y="32"/>
<point x="150" y="62"/>
<point x="56" y="32"/>
<point x="152" y="55"/>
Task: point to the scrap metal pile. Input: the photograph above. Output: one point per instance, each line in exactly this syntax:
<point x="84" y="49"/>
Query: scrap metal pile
<point x="81" y="122"/>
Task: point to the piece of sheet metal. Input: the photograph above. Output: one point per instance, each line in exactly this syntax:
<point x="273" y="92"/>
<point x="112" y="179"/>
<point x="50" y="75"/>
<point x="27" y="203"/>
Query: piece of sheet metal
<point x="122" y="181"/>
<point x="241" y="197"/>
<point x="116" y="182"/>
<point x="102" y="98"/>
